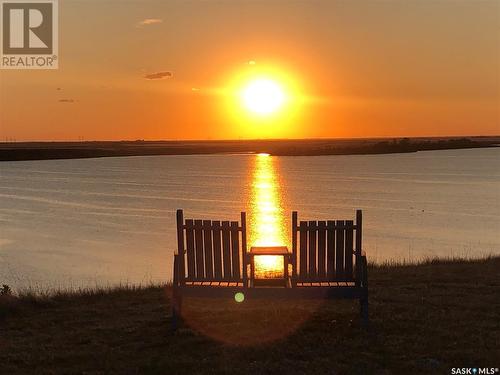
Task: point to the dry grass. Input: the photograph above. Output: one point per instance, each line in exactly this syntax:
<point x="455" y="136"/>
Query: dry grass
<point x="425" y="318"/>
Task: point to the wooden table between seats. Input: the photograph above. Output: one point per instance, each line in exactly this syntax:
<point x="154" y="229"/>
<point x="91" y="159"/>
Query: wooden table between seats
<point x="269" y="251"/>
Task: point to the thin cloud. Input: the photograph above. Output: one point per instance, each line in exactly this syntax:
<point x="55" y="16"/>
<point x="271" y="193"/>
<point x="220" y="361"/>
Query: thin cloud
<point x="159" y="75"/>
<point x="149" y="21"/>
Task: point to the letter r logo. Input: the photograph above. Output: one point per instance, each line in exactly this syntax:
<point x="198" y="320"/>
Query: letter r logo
<point x="27" y="27"/>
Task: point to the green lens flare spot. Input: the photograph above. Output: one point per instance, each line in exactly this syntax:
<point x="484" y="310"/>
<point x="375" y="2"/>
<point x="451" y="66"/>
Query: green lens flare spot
<point x="239" y="297"/>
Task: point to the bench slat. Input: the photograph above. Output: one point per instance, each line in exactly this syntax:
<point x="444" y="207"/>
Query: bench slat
<point x="303" y="249"/>
<point x="226" y="250"/>
<point x="330" y="249"/>
<point x="235" y="256"/>
<point x="339" y="251"/>
<point x="216" y="228"/>
<point x="348" y="275"/>
<point x="321" y="250"/>
<point x="312" y="250"/>
<point x="207" y="245"/>
<point x="190" y="249"/>
<point x="198" y="243"/>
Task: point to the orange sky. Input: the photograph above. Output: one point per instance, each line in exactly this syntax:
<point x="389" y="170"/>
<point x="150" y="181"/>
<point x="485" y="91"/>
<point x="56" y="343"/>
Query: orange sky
<point x="360" y="69"/>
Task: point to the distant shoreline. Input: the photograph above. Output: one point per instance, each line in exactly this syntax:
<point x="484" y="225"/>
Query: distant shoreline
<point x="13" y="151"/>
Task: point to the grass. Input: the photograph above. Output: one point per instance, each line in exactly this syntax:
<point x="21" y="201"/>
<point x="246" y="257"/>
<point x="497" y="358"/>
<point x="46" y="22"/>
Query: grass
<point x="425" y="318"/>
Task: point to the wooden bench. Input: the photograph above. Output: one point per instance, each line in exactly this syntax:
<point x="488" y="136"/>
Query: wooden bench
<point x="212" y="261"/>
<point x="328" y="260"/>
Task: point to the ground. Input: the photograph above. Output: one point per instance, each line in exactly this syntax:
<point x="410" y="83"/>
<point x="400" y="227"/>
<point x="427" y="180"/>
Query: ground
<point x="426" y="318"/>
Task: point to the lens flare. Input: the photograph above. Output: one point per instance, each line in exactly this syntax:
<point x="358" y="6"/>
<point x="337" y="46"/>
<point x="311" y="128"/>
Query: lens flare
<point x="239" y="297"/>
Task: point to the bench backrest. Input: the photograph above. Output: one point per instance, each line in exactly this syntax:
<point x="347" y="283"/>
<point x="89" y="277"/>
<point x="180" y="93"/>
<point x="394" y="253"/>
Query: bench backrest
<point x="211" y="250"/>
<point x="326" y="250"/>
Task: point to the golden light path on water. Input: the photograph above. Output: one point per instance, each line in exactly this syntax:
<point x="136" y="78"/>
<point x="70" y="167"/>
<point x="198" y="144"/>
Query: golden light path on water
<point x="266" y="215"/>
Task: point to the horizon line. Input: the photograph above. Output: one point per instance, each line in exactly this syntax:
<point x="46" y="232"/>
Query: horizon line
<point x="13" y="140"/>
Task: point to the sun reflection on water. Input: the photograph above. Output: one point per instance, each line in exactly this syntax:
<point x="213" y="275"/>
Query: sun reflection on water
<point x="267" y="225"/>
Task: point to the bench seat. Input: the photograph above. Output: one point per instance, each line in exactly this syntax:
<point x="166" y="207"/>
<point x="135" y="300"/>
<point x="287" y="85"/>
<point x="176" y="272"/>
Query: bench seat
<point x="326" y="283"/>
<point x="215" y="283"/>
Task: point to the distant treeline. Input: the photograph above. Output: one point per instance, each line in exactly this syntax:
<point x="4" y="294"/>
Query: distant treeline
<point x="303" y="147"/>
<point x="402" y="145"/>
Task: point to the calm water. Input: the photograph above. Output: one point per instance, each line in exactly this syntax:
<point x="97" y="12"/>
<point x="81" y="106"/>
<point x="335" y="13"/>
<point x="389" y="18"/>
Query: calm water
<point x="69" y="223"/>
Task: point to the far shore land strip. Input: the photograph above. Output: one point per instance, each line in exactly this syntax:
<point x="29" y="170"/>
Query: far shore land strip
<point x="17" y="151"/>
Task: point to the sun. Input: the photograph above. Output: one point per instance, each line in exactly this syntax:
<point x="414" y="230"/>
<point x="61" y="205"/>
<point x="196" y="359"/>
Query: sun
<point x="262" y="100"/>
<point x="263" y="96"/>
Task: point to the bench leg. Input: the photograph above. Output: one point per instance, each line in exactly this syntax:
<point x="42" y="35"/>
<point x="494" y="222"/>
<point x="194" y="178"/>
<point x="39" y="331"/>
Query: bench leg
<point x="176" y="310"/>
<point x="363" y="304"/>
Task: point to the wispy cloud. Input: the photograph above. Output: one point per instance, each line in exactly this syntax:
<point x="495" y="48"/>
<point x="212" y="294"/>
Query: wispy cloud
<point x="149" y="21"/>
<point x="159" y="75"/>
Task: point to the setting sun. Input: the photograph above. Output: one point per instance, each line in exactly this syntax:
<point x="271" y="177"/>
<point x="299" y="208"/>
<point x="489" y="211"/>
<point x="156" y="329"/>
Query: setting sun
<point x="264" y="100"/>
<point x="263" y="96"/>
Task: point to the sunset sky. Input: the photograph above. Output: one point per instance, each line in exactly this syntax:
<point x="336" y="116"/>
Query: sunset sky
<point x="172" y="70"/>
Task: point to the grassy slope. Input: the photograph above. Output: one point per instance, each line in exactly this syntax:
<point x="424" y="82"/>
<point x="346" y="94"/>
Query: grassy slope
<point x="425" y="319"/>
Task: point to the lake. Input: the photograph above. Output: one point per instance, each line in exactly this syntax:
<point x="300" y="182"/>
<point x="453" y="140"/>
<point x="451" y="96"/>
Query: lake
<point x="88" y="222"/>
